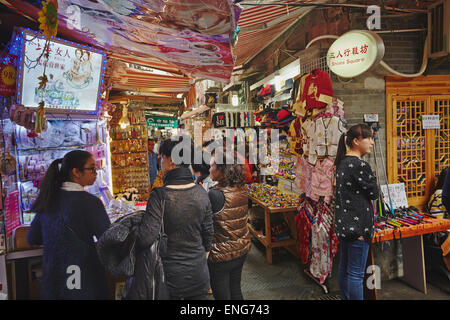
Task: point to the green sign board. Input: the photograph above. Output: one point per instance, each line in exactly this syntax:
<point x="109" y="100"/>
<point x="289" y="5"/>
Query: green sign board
<point x="164" y="122"/>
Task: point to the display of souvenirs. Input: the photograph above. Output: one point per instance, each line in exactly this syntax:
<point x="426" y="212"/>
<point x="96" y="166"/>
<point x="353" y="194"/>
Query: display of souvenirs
<point x="62" y="133"/>
<point x="132" y="145"/>
<point x="130" y="132"/>
<point x="29" y="192"/>
<point x="33" y="166"/>
<point x="130" y="176"/>
<point x="314" y="138"/>
<point x="129" y="157"/>
<point x="35" y="155"/>
<point x="271" y="196"/>
<point x="129" y="194"/>
<point x="286" y="169"/>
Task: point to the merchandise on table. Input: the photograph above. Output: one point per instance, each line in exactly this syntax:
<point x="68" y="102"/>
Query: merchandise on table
<point x="271" y="196"/>
<point x="407" y="222"/>
<point x="286" y="169"/>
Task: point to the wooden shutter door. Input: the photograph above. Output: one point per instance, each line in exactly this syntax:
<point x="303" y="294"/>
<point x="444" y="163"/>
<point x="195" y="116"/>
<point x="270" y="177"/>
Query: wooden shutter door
<point x="441" y="106"/>
<point x="407" y="146"/>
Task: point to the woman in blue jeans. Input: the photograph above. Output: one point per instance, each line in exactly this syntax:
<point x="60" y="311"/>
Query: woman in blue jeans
<point x="356" y="186"/>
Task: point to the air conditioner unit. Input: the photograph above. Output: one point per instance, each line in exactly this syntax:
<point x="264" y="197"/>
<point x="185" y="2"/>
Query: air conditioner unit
<point x="439" y="29"/>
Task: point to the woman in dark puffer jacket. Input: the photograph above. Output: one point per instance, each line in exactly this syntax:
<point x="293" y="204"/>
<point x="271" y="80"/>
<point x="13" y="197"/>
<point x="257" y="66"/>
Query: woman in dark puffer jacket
<point x="231" y="241"/>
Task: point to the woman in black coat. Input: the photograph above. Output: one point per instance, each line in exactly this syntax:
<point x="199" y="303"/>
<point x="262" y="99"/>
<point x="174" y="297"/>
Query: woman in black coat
<point x="187" y="223"/>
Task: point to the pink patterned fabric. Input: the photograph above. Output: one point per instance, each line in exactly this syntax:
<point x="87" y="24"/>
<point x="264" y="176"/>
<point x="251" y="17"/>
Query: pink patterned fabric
<point x="322" y="175"/>
<point x="324" y="243"/>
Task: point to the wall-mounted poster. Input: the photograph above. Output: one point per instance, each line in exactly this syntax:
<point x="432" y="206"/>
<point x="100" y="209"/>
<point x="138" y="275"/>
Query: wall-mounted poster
<point x="75" y="75"/>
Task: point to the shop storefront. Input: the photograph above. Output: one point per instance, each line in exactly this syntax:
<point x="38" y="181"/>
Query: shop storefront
<point x="340" y="83"/>
<point x="281" y="83"/>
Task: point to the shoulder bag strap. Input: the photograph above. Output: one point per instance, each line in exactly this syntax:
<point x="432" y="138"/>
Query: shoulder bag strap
<point x="73" y="231"/>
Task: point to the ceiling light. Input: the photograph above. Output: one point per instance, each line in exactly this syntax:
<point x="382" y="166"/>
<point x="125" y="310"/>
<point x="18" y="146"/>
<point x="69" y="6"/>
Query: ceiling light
<point x="235" y="100"/>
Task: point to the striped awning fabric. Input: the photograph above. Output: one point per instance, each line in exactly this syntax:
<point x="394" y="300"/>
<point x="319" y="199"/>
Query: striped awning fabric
<point x="259" y="25"/>
<point x="130" y="78"/>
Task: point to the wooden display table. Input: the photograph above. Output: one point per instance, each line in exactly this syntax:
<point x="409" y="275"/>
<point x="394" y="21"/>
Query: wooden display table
<point x="266" y="239"/>
<point x="412" y="251"/>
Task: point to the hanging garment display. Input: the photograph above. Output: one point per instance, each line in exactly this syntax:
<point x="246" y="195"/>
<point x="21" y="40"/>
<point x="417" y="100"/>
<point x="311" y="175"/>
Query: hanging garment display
<point x="218" y="120"/>
<point x="304" y="228"/>
<point x="296" y="140"/>
<point x="327" y="132"/>
<point x="317" y="91"/>
<point x="324" y="243"/>
<point x="318" y="130"/>
<point x="322" y="176"/>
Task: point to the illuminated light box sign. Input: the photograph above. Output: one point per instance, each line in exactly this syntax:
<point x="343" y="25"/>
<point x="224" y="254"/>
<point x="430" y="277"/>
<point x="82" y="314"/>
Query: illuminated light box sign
<point x="75" y="75"/>
<point x="354" y="53"/>
<point x="7" y="74"/>
<point x="165" y="122"/>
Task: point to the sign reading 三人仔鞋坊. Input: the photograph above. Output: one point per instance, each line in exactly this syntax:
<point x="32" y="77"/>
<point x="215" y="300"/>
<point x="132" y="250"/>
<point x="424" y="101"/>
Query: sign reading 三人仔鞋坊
<point x="164" y="122"/>
<point x="354" y="53"/>
<point x="7" y="74"/>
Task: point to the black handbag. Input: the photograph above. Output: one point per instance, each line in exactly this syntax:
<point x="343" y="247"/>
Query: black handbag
<point x="159" y="284"/>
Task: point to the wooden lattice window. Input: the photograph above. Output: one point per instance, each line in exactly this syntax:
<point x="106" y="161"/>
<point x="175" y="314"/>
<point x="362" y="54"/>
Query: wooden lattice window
<point x="416" y="156"/>
<point x="441" y="105"/>
<point x="410" y="164"/>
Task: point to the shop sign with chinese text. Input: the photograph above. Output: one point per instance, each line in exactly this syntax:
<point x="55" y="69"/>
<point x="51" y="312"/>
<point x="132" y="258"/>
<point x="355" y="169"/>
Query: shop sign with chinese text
<point x="164" y="122"/>
<point x="354" y="53"/>
<point x="7" y="74"/>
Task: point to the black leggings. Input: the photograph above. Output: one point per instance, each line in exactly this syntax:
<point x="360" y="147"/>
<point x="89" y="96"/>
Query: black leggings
<point x="225" y="279"/>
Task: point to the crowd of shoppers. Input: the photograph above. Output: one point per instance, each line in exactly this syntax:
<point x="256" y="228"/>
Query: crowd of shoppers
<point x="207" y="234"/>
<point x="203" y="212"/>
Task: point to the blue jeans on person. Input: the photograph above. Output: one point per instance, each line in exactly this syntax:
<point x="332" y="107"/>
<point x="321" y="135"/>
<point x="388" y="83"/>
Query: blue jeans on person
<point x="352" y="267"/>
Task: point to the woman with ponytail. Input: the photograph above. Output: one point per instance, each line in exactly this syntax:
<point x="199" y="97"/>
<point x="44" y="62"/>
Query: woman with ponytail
<point x="356" y="186"/>
<point x="67" y="221"/>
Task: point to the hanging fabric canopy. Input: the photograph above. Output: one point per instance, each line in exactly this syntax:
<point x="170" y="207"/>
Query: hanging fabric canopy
<point x="193" y="36"/>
